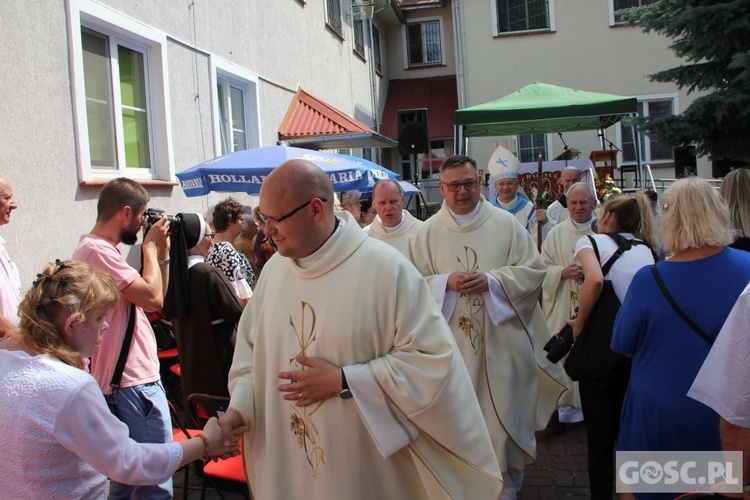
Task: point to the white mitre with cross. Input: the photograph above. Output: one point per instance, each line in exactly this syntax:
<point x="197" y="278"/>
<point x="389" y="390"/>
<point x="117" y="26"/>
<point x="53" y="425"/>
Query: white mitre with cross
<point x="503" y="164"/>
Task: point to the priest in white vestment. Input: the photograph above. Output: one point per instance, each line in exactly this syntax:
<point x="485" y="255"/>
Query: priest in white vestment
<point x="564" y="278"/>
<point x="337" y="314"/>
<point x="486" y="275"/>
<point x="393" y="224"/>
<point x="557" y="212"/>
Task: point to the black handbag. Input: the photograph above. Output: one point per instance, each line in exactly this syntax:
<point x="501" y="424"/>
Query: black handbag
<point x="591" y="356"/>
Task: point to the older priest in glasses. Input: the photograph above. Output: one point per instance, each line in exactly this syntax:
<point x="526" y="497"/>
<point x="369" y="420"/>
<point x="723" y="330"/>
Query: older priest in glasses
<point x="349" y="393"/>
<point x="486" y="273"/>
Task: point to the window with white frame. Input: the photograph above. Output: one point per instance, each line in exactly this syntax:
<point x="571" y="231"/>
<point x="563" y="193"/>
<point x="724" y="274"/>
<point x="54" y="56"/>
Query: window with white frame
<point x="119" y="95"/>
<point x="424" y="44"/>
<point x="652" y="150"/>
<point x="231" y="100"/>
<point x="529" y="145"/>
<point x="333" y="16"/>
<point x="376" y="47"/>
<point x="115" y="75"/>
<point x="625" y="4"/>
<point x="358" y="27"/>
<point x="236" y="107"/>
<point x="522" y="15"/>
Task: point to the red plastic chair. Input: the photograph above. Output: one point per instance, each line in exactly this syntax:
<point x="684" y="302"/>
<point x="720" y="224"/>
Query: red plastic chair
<point x="201" y="408"/>
<point x="181" y="433"/>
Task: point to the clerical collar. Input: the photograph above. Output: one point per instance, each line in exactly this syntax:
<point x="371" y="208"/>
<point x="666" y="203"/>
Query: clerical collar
<point x="582" y="225"/>
<point x="462" y="220"/>
<point x="508" y="206"/>
<point x="396" y="227"/>
<point x="195" y="259"/>
<point x="317" y="255"/>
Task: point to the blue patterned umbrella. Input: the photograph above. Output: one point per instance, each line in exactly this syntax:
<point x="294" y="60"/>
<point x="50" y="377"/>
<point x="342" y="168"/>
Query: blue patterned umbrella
<point x="245" y="171"/>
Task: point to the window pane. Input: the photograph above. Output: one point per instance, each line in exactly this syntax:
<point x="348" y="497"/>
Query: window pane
<point x="529" y="146"/>
<point x="239" y="132"/>
<point x="223" y="118"/>
<point x="521" y="15"/>
<point x="659" y="150"/>
<point x="134" y="108"/>
<point x="414" y="33"/>
<point x="628" y="139"/>
<point x="359" y="36"/>
<point x="99" y="108"/>
<point x="432" y="41"/>
<point x="376" y="46"/>
<point x="334" y="14"/>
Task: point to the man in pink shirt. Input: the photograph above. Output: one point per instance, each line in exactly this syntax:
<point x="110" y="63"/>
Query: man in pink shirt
<point x="140" y="401"/>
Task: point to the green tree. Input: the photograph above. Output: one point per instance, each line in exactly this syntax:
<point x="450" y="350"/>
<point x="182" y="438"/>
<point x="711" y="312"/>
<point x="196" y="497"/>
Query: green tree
<point x="713" y="37"/>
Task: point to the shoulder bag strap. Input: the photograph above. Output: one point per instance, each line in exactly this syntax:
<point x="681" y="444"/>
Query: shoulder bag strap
<point x="120" y="367"/>
<point x="623" y="245"/>
<point x="596" y="249"/>
<point x="676" y="308"/>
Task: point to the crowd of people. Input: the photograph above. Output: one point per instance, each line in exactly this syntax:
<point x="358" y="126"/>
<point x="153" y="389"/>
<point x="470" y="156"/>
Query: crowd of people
<point x="405" y="360"/>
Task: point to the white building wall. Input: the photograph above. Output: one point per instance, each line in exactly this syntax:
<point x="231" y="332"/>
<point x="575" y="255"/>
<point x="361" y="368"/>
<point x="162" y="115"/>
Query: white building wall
<point x="583" y="52"/>
<point x="284" y="43"/>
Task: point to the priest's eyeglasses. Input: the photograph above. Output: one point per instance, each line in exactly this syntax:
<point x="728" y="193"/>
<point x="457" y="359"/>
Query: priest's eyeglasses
<point x="456" y="186"/>
<point x="277" y="220"/>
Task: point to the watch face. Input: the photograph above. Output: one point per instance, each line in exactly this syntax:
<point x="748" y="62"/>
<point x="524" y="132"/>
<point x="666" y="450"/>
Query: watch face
<point x="345" y="394"/>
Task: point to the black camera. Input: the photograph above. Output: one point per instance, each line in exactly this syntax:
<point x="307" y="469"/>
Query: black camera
<point x="559" y="345"/>
<point x="153" y="215"/>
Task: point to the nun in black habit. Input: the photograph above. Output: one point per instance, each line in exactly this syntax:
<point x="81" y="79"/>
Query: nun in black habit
<point x="203" y="308"/>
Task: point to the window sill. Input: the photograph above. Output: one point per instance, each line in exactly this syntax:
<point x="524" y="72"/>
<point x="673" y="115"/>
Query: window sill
<point x="333" y="30"/>
<point x="425" y="66"/>
<point x="511" y="34"/>
<point x="142" y="182"/>
<point x="359" y="55"/>
<point x="378" y="72"/>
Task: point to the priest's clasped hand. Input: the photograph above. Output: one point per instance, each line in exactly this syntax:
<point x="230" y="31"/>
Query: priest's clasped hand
<point x="319" y="381"/>
<point x="468" y="283"/>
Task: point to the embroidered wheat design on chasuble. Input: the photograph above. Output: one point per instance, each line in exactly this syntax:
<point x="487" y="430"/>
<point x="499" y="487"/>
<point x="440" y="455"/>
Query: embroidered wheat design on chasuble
<point x="301" y="422"/>
<point x="471" y="315"/>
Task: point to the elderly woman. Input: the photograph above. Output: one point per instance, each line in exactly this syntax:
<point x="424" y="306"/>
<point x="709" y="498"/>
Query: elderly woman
<point x="564" y="278"/>
<point x="227" y="221"/>
<point x="704" y="280"/>
<point x="735" y="190"/>
<point x="609" y="262"/>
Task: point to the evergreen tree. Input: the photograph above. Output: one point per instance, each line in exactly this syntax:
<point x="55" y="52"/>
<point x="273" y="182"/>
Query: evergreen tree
<point x="713" y="37"/>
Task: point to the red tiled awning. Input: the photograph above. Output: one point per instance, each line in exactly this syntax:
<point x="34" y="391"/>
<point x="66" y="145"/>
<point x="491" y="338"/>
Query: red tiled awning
<point x="438" y="94"/>
<point x="311" y="122"/>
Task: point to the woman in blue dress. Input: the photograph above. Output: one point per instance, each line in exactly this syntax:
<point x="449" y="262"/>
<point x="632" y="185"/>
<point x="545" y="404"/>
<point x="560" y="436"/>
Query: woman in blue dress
<point x="704" y="279"/>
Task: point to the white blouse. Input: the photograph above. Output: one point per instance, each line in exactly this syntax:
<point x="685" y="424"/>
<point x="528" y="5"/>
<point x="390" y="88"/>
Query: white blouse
<point x="60" y="439"/>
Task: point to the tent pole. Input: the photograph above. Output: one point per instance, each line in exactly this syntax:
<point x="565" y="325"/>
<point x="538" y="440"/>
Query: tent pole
<point x="539" y="199"/>
<point x="637" y="142"/>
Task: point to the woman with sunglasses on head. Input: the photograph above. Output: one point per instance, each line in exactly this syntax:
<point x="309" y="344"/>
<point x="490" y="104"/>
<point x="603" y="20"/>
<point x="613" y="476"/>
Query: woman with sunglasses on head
<point x="59" y="438"/>
<point x="227" y="221"/>
<point x="609" y="262"/>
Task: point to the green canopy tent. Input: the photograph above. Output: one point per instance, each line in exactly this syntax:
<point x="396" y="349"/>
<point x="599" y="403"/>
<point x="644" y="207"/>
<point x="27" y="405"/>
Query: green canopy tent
<point x="540" y="108"/>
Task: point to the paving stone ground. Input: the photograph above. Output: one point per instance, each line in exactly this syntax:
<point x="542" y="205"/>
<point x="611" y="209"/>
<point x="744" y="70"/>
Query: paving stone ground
<point x="560" y="470"/>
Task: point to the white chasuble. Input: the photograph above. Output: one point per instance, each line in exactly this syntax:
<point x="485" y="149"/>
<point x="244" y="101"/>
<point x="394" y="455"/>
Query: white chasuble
<point x="516" y="386"/>
<point x="560" y="296"/>
<point x="400" y="238"/>
<point x="361" y="303"/>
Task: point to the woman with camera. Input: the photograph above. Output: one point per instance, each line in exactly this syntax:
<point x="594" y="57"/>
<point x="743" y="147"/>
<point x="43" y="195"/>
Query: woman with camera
<point x="609" y="260"/>
<point x="669" y="325"/>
